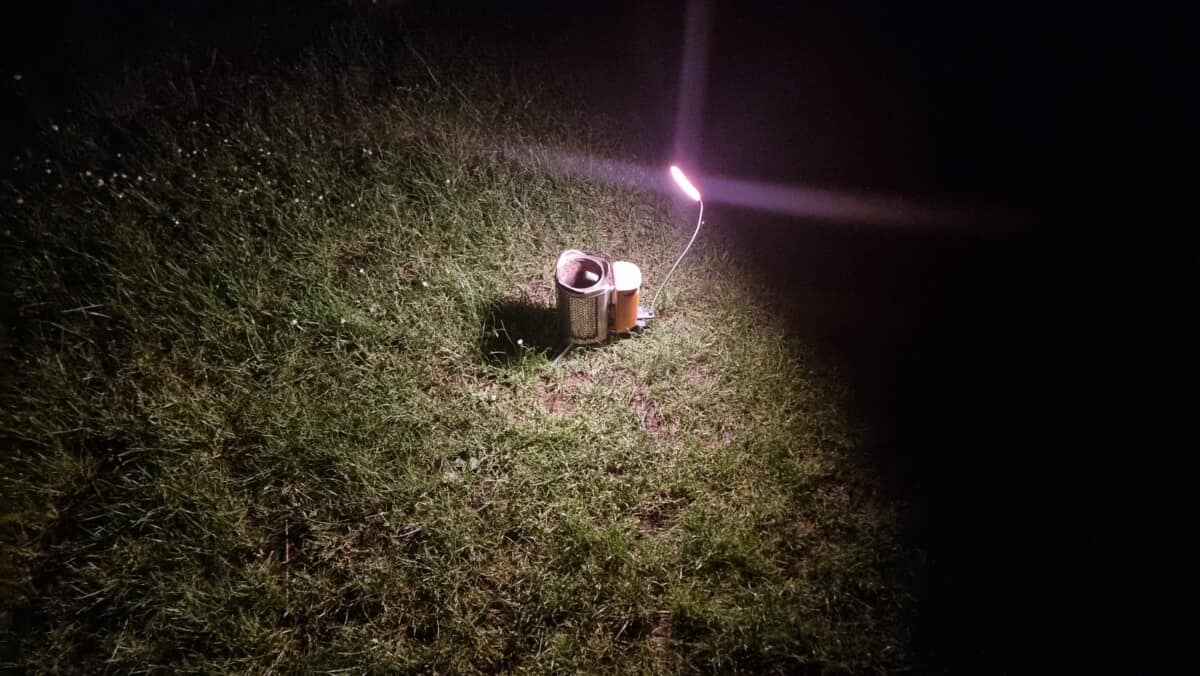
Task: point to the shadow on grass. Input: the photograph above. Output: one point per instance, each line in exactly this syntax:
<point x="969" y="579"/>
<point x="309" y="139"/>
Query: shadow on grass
<point x="514" y="329"/>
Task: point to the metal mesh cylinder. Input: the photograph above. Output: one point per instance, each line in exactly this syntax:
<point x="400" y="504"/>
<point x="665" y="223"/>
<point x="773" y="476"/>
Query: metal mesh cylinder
<point x="584" y="318"/>
<point x="583" y="285"/>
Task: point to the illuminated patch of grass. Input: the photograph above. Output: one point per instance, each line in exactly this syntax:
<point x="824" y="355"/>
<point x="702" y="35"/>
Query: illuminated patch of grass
<point x="278" y="397"/>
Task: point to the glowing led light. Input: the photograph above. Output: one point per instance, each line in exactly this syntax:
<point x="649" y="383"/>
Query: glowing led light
<point x="690" y="191"/>
<point x="684" y="183"/>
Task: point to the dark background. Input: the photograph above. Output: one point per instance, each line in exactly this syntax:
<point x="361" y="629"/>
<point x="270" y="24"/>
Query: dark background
<point x="1016" y="381"/>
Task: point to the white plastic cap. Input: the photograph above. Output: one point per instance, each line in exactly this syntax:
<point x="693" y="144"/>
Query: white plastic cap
<point x="626" y="276"/>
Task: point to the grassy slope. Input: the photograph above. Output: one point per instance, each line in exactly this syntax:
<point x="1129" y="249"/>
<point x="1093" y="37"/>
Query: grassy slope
<point x="265" y="409"/>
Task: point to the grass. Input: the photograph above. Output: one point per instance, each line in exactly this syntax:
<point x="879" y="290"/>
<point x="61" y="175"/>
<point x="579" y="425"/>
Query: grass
<point x="278" y="397"/>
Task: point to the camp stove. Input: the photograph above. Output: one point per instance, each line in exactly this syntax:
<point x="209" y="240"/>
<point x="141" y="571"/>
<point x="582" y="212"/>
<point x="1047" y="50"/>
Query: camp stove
<point x="597" y="298"/>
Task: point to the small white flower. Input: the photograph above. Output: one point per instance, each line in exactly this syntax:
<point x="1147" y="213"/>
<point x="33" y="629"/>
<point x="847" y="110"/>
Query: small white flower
<point x="59" y="186"/>
<point x="100" y="183"/>
<point x="361" y="271"/>
<point x="48" y="170"/>
<point x="341" y="321"/>
<point x="17" y="77"/>
<point x="139" y="179"/>
<point x="295" y="323"/>
<point x="320" y="198"/>
<point x="20" y="200"/>
<point x="424" y="284"/>
<point x="520" y="341"/>
<point x="54" y="127"/>
<point x="296" y="200"/>
<point x="88" y="172"/>
<point x="352" y="205"/>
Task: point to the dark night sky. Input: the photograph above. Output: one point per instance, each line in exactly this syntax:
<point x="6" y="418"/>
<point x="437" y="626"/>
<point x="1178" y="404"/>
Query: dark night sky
<point x="995" y="100"/>
<point x="998" y="372"/>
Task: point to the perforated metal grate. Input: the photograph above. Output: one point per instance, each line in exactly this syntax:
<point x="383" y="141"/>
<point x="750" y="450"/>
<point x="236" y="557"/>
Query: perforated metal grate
<point x="583" y="317"/>
<point x="584" y="286"/>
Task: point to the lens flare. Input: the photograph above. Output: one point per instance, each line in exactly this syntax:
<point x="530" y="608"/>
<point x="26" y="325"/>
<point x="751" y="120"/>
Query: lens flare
<point x="684" y="183"/>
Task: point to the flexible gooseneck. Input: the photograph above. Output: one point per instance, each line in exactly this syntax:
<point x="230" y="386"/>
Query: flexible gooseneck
<point x="699" y="222"/>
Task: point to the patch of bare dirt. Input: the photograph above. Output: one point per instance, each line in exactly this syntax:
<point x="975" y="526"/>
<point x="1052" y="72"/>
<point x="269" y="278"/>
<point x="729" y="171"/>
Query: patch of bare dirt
<point x="651" y="520"/>
<point x="658" y="512"/>
<point x="558" y="397"/>
<point x="557" y="402"/>
<point x="651" y="417"/>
